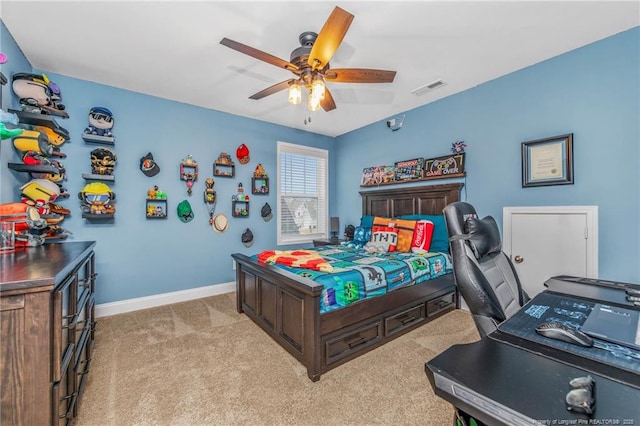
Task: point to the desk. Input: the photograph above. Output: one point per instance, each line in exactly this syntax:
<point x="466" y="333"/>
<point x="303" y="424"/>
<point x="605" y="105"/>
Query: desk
<point x="516" y="382"/>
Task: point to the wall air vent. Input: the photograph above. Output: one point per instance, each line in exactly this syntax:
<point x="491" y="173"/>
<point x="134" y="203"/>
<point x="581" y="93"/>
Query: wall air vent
<point x="428" y="87"/>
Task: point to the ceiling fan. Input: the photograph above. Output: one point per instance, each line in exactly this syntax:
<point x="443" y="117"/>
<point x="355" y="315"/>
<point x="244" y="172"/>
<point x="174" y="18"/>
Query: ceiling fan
<point x="310" y="64"/>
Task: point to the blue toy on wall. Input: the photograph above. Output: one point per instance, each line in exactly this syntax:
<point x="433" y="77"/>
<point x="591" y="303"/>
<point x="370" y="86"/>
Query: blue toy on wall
<point x="101" y="122"/>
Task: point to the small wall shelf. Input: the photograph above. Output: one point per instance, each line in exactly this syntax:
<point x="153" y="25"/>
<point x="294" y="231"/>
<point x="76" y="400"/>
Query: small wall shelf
<point x="156" y="208"/>
<point x="91" y="216"/>
<point x="102" y="140"/>
<point x="260" y="185"/>
<point x="90" y="176"/>
<point x="36" y="119"/>
<point x="43" y="168"/>
<point x="240" y="208"/>
<point x="423" y="179"/>
<point x="224" y="169"/>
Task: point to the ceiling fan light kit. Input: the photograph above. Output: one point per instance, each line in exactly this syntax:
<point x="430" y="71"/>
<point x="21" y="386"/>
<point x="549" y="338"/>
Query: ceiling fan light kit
<point x="310" y="63"/>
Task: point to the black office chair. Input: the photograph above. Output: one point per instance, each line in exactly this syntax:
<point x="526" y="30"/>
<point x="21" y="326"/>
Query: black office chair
<point x="484" y="274"/>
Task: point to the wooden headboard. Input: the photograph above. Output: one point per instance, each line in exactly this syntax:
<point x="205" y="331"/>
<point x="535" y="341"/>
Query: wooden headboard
<point x="428" y="199"/>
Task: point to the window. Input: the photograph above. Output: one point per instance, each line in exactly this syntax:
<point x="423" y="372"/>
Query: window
<point x="302" y="193"/>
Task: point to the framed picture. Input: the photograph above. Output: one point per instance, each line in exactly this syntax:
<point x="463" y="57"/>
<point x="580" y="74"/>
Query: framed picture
<point x="548" y="161"/>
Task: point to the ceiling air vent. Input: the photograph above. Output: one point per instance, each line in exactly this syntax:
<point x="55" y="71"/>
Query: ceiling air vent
<point x="428" y="87"/>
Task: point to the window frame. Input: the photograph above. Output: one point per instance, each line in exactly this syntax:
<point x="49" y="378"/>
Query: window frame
<point x="323" y="228"/>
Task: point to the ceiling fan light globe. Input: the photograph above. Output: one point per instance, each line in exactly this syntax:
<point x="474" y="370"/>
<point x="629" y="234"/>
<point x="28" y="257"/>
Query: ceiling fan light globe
<point x="317" y="89"/>
<point x="313" y="104"/>
<point x="295" y="94"/>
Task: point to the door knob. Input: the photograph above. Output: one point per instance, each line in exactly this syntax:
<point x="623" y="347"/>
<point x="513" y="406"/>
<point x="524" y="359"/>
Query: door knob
<point x="518" y="259"/>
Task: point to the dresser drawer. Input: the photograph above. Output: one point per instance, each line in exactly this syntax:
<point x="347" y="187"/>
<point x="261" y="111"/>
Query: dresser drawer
<point x="440" y="304"/>
<point x="404" y="319"/>
<point x="353" y="341"/>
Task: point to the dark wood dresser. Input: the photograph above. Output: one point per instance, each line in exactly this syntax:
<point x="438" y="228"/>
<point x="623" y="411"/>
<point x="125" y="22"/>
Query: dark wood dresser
<point x="47" y="322"/>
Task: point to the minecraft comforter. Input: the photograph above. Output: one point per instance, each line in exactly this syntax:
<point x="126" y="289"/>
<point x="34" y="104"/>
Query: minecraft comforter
<point x="358" y="275"/>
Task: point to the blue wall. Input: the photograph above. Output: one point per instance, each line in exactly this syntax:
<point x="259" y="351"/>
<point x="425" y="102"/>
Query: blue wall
<point x="592" y="92"/>
<point x="140" y="257"/>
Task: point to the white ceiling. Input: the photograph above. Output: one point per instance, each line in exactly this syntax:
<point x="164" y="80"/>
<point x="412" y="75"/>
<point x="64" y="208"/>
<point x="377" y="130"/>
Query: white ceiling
<point x="171" y="49"/>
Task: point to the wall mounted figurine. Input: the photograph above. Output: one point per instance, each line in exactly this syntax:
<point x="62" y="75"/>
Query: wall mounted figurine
<point x="97" y="200"/>
<point x="189" y="172"/>
<point x="39" y="193"/>
<point x="101" y="122"/>
<point x="210" y="198"/>
<point x="34" y="140"/>
<point x="103" y="161"/>
<point x="37" y="94"/>
<point x="100" y="127"/>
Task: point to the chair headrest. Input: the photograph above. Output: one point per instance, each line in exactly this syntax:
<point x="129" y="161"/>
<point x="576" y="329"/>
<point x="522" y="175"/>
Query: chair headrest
<point x="483" y="235"/>
<point x="456" y="214"/>
<point x="463" y="223"/>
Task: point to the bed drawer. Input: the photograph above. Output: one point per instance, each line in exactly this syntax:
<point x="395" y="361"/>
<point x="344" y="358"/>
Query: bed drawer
<point x="404" y="319"/>
<point x="346" y="344"/>
<point x="440" y="304"/>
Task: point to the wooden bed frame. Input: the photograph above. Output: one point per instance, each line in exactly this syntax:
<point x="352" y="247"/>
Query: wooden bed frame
<point x="287" y="306"/>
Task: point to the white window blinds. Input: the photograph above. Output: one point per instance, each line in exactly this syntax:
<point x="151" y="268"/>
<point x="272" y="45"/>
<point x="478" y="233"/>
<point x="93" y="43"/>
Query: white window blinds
<point x="302" y="193"/>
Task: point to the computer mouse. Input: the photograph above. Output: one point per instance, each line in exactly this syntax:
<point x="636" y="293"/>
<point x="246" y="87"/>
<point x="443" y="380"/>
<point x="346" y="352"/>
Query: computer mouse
<point x="558" y="331"/>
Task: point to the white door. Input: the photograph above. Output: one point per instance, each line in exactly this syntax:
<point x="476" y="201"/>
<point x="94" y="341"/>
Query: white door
<point x="547" y="241"/>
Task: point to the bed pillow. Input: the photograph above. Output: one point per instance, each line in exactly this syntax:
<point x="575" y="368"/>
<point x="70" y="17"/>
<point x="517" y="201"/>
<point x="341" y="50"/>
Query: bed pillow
<point x="362" y="234"/>
<point x="383" y="239"/>
<point x="422" y="236"/>
<point x="405" y="231"/>
<point x="366" y="221"/>
<point x="440" y="238"/>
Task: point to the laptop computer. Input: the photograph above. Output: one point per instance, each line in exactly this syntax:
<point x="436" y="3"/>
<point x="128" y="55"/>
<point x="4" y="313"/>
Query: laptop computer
<point x="614" y="324"/>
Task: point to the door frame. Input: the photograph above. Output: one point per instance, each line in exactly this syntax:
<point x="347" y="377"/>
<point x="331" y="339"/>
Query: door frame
<point x="591" y="213"/>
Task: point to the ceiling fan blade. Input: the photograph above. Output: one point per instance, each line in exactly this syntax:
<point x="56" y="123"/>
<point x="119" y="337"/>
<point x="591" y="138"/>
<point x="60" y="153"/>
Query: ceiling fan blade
<point x="327" y="103"/>
<point x="273" y="89"/>
<point x="258" y="54"/>
<point x="329" y="38"/>
<point x="359" y="75"/>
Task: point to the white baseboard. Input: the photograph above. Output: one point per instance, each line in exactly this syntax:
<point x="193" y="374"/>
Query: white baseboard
<point x="130" y="305"/>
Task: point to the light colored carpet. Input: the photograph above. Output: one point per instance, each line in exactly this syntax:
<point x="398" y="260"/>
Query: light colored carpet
<point x="202" y="363"/>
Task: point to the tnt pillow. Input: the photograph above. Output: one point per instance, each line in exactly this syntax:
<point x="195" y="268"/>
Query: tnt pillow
<point x="422" y="236"/>
<point x="405" y="231"/>
<point x="383" y="239"/>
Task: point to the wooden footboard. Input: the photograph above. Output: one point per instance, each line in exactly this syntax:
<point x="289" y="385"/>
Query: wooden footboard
<point x="287" y="307"/>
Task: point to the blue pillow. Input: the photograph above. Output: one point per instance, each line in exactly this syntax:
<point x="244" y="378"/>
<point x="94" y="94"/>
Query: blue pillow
<point x="366" y="221"/>
<point x="440" y="238"/>
<point x="362" y="234"/>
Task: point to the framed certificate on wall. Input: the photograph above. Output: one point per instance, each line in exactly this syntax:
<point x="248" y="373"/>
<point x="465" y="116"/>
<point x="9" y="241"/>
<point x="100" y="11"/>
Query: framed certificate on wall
<point x="548" y="161"/>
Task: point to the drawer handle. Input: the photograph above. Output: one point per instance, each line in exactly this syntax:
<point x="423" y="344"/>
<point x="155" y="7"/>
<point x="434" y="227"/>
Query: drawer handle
<point x="405" y="319"/>
<point x="442" y="303"/>
<point x="86" y="368"/>
<point x="355" y="341"/>
<point x="71" y="395"/>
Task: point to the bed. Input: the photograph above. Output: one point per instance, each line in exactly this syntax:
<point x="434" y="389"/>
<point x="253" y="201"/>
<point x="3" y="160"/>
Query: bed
<point x="287" y="306"/>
